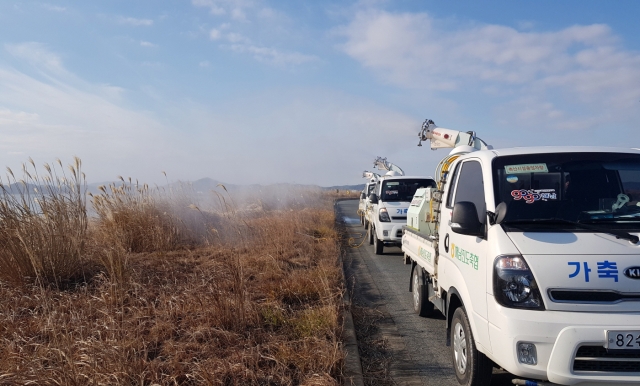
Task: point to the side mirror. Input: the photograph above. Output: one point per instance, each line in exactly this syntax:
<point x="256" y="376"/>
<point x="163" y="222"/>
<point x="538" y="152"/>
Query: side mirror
<point x="362" y="196"/>
<point x="464" y="219"/>
<point x="373" y="198"/>
<point x="501" y="212"/>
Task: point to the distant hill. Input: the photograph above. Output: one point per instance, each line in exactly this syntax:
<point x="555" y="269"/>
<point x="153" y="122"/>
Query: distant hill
<point x="203" y="186"/>
<point x="358" y="187"/>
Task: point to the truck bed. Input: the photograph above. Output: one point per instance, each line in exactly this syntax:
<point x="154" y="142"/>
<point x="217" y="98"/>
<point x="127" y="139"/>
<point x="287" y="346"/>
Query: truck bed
<point x="419" y="247"/>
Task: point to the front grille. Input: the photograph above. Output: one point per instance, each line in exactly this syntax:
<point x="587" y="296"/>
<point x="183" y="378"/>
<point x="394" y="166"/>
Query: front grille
<point x="597" y="358"/>
<point x="591" y="296"/>
<point x="399" y="233"/>
<point x="398" y="217"/>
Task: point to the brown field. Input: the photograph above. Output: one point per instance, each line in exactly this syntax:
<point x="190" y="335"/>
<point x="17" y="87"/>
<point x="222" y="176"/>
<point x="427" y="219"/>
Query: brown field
<point x="155" y="290"/>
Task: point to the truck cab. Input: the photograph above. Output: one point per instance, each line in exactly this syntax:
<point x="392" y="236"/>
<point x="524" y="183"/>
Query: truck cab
<point x="536" y="264"/>
<point x="363" y="204"/>
<point x="389" y="203"/>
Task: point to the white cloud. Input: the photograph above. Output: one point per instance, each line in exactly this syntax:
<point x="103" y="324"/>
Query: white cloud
<point x="204" y="63"/>
<point x="258" y="22"/>
<point x="60" y="115"/>
<point x="273" y="56"/>
<point x="582" y="64"/>
<point x="212" y="5"/>
<point x="234" y="37"/>
<point x="135" y="22"/>
<point x="235" y="9"/>
<point x="54" y="8"/>
<point x="526" y="24"/>
<point x="215" y="34"/>
<point x="36" y="54"/>
<point x="147" y="44"/>
<point x="18" y="118"/>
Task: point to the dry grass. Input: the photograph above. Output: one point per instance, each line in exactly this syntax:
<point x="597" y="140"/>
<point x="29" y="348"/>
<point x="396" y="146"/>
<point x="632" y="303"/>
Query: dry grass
<point x="256" y="302"/>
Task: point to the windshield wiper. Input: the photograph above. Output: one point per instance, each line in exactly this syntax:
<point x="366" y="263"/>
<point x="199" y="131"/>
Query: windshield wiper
<point x="617" y="233"/>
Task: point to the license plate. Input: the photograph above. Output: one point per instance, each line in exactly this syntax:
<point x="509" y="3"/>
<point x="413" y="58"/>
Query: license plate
<point x="623" y="340"/>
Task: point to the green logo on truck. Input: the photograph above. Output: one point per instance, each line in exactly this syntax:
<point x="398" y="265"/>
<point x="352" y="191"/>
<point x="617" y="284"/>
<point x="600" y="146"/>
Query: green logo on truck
<point x="465" y="257"/>
<point x="424" y="254"/>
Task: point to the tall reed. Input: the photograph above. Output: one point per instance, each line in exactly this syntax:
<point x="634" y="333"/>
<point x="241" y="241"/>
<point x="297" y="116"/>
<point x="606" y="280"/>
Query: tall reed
<point x="43" y="225"/>
<point x="134" y="218"/>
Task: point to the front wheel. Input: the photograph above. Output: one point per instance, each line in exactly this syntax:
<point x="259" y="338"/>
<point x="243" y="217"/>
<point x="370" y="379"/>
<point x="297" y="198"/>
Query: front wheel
<point x="378" y="244"/>
<point x="370" y="234"/>
<point x="472" y="367"/>
<point x="421" y="304"/>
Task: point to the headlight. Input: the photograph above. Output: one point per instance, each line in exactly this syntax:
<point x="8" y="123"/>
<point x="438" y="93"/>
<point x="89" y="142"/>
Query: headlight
<point x="514" y="285"/>
<point x="384" y="216"/>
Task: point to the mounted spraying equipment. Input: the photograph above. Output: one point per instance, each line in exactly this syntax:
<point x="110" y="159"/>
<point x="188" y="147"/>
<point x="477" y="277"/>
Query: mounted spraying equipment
<point x="383" y="164"/>
<point x="424" y="212"/>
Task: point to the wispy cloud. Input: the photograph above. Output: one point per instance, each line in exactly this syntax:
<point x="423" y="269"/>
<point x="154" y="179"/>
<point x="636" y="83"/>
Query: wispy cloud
<point x="55" y="8"/>
<point x="235" y="9"/>
<point x="272" y="55"/>
<point x="37" y="55"/>
<point x="135" y="21"/>
<point x="235" y="41"/>
<point x="147" y="44"/>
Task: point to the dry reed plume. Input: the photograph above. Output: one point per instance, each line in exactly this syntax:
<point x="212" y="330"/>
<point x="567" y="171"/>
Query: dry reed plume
<point x="258" y="304"/>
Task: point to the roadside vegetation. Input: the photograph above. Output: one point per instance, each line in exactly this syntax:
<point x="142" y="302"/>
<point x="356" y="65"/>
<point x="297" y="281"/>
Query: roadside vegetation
<point x="155" y="288"/>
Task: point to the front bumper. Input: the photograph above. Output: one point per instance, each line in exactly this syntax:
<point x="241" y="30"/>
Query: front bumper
<point x="558" y="336"/>
<point x="390" y="232"/>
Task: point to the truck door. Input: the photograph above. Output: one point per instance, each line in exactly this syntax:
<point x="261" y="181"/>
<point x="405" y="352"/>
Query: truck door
<point x="466" y="256"/>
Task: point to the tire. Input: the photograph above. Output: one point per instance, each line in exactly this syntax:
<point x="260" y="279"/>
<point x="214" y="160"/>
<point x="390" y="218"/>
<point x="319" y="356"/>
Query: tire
<point x="366" y="224"/>
<point x="421" y="304"/>
<point x="362" y="220"/>
<point x="378" y="244"/>
<point x="472" y="367"/>
<point x="370" y="234"/>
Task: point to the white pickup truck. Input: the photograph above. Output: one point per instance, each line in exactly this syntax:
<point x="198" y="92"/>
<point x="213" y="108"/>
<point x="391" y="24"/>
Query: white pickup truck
<point x="388" y="205"/>
<point x="532" y="255"/>
<point x="363" y="204"/>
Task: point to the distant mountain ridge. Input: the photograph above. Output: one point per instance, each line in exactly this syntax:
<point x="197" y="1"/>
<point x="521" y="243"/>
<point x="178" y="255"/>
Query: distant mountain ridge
<point x="201" y="185"/>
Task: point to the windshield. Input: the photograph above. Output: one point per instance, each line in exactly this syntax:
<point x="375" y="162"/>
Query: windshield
<point x="602" y="188"/>
<point x="403" y="190"/>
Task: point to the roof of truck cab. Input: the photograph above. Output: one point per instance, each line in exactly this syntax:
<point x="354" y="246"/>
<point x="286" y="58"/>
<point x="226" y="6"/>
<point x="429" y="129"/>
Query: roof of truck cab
<point x="404" y="177"/>
<point x="562" y="149"/>
<point x="493" y="153"/>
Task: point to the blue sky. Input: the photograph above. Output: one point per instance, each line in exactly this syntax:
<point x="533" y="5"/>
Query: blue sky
<point x="248" y="91"/>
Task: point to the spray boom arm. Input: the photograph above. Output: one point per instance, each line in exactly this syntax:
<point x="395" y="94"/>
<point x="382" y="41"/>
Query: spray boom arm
<point x="383" y="164"/>
<point x="446" y="138"/>
<point x="370" y="175"/>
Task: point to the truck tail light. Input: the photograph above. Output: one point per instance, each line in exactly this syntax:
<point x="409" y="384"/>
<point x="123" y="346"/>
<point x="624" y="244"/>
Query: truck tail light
<point x="514" y="285"/>
<point x="384" y="216"/>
